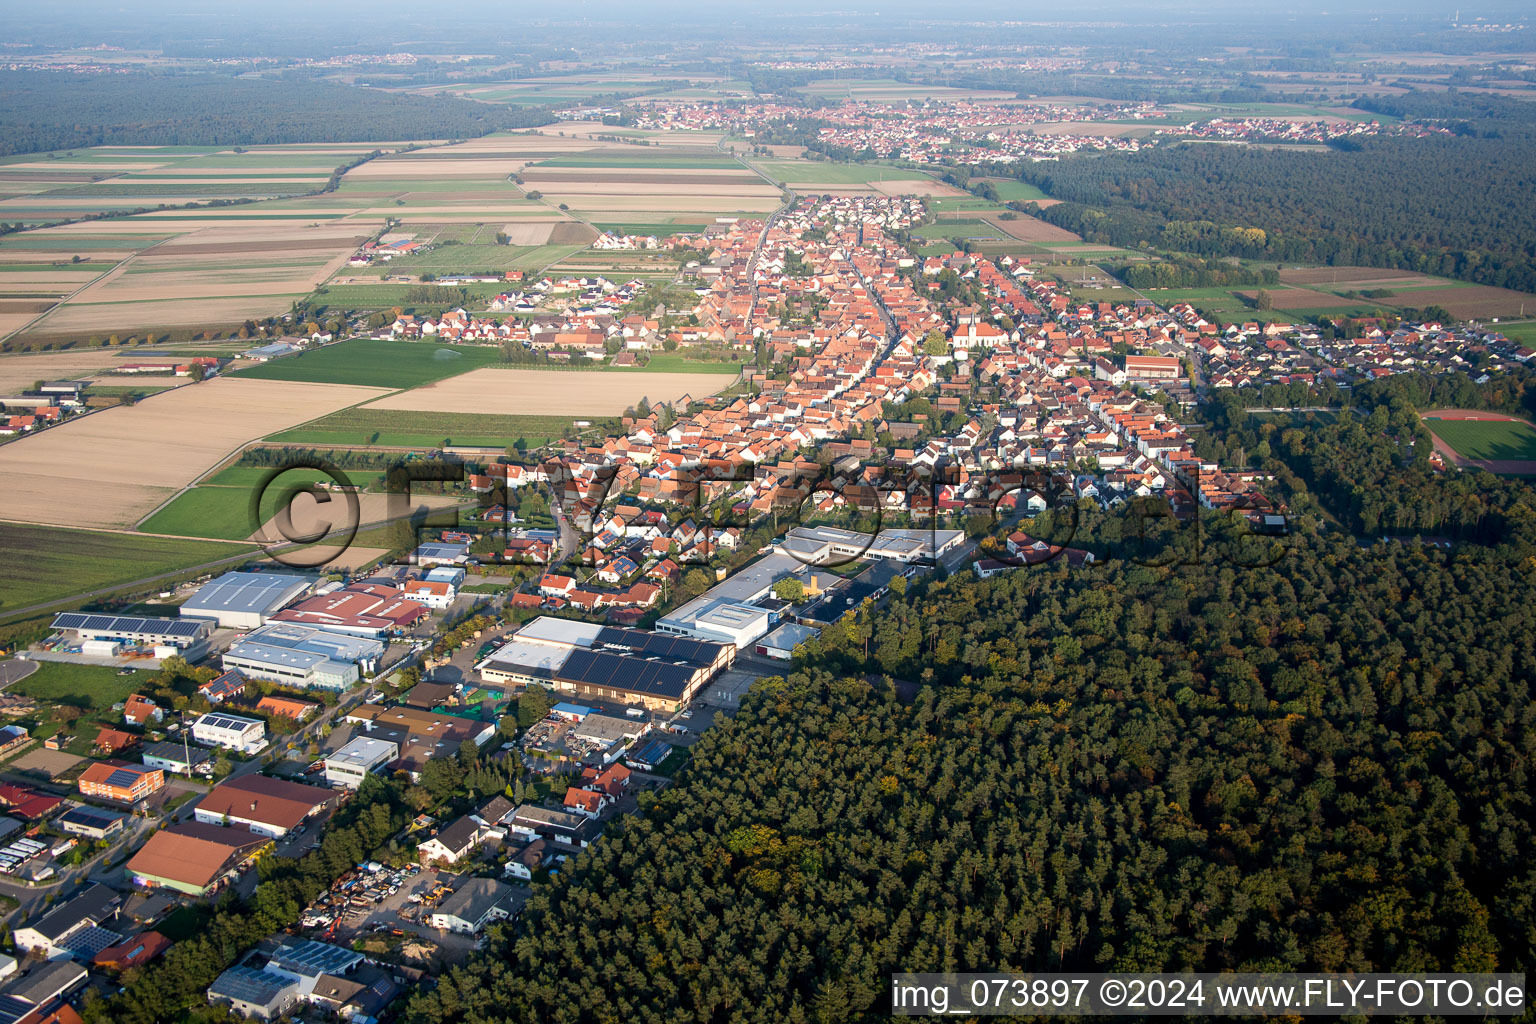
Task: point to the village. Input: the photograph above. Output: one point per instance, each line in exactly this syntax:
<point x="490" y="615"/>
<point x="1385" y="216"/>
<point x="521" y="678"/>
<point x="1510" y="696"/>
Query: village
<point x="531" y="683"/>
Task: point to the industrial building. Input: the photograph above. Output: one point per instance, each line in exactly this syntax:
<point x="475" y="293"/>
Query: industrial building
<point x="304" y="656"/>
<point x="245" y="600"/>
<point x="193" y="858"/>
<point x="91" y="822"/>
<point x="350" y="765"/>
<point x="247" y="735"/>
<point x="730" y="613"/>
<point x="106" y="635"/>
<point x="421" y="735"/>
<point x="90" y="907"/>
<point x="267" y="806"/>
<point x="369" y="608"/>
<point x="822" y="545"/>
<point x="781" y="643"/>
<point x="652" y="670"/>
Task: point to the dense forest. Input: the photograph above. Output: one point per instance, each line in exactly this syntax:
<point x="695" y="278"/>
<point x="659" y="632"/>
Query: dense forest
<point x="1457" y="205"/>
<point x="47" y="110"/>
<point x="1319" y="765"/>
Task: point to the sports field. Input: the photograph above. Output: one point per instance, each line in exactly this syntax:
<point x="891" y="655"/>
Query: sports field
<point x="385" y="364"/>
<point x="45" y="563"/>
<point x="1493" y="440"/>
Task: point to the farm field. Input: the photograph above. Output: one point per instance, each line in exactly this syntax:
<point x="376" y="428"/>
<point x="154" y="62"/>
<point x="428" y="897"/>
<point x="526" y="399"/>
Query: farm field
<point x="1406" y="289"/>
<point x="505" y="391"/>
<point x="21" y="371"/>
<point x="365" y="425"/>
<point x="1493" y="440"/>
<point x="890" y="89"/>
<point x="375" y="364"/>
<point x="42" y="563"/>
<point x="208" y="277"/>
<point x="965" y="229"/>
<point x="1032" y="229"/>
<point x="460" y="258"/>
<point x="36" y="189"/>
<point x="332" y="297"/>
<point x="1298" y="298"/>
<point x="126" y="460"/>
<point x="801" y="172"/>
<point x="662" y="362"/>
<point x="579" y="88"/>
<point x="619" y="264"/>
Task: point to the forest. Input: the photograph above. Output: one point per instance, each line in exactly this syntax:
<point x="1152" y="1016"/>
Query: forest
<point x="1308" y="766"/>
<point x="1403" y="203"/>
<point x="47" y="110"/>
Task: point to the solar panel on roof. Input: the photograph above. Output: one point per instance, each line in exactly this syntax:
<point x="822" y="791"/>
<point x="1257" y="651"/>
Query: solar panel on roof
<point x="86" y="944"/>
<point x="249" y="985"/>
<point x="316" y="957"/>
<point x="123" y="777"/>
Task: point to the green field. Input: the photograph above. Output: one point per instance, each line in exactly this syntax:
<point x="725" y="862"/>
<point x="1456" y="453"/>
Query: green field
<point x="1501" y="440"/>
<point x="220" y="507"/>
<point x="224" y="512"/>
<point x="408" y="429"/>
<point x="254" y="476"/>
<point x="960" y="229"/>
<point x="92" y="687"/>
<point x="640" y="159"/>
<point x="45" y="563"/>
<point x="1009" y="190"/>
<point x="86" y="687"/>
<point x="383" y="364"/>
<point x="800" y="171"/>
<point x="1524" y="333"/>
<point x="963" y="204"/>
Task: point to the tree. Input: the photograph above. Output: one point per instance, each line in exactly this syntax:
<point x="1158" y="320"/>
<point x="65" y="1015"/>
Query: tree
<point x="1265" y="300"/>
<point x="789" y="589"/>
<point x="533" y="706"/>
<point x="935" y="343"/>
<point x="695" y="582"/>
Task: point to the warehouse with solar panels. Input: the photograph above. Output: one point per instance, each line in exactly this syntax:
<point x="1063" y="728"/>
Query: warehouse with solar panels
<point x="652" y="670"/>
<point x="245" y="600"/>
<point x="107" y="636"/>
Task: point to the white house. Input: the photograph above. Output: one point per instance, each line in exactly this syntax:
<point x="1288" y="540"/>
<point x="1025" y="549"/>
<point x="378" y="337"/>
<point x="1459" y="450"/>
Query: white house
<point x="218" y="729"/>
<point x="475" y="904"/>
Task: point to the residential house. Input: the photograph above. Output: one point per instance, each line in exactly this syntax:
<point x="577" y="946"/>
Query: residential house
<point x="453" y="843"/>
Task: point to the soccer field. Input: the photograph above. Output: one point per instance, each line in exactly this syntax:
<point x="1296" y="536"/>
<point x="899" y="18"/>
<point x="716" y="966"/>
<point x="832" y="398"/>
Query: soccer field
<point x="1498" y="440"/>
